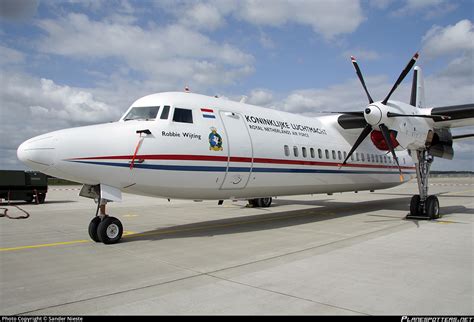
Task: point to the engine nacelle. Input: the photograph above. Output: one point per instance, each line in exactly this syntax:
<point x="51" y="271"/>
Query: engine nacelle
<point x="440" y="144"/>
<point x="379" y="141"/>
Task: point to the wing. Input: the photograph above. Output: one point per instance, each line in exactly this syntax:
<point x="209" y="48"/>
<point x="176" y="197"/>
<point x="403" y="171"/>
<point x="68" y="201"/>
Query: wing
<point x="459" y="116"/>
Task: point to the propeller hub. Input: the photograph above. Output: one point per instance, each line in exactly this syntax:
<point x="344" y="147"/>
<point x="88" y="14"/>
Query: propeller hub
<point x="373" y="115"/>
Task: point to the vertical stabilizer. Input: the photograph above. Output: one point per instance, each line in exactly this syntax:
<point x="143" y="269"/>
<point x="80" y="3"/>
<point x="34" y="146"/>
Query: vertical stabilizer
<point x="417" y="89"/>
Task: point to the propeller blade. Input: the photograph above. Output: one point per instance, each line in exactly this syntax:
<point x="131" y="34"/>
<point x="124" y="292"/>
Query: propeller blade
<point x="361" y="78"/>
<point x="386" y="136"/>
<point x="365" y="132"/>
<point x="433" y="117"/>
<point x="401" y="77"/>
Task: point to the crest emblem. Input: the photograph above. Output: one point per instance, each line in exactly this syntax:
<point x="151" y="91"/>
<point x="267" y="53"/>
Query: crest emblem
<point x="215" y="140"/>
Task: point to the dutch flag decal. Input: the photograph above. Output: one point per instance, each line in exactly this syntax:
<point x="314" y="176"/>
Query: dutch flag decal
<point x="208" y="113"/>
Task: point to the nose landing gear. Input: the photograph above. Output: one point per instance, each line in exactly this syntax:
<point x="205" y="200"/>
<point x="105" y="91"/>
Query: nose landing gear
<point x="104" y="228"/>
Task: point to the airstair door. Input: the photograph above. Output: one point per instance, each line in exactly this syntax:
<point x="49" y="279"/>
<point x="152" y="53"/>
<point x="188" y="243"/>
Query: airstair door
<point x="239" y="143"/>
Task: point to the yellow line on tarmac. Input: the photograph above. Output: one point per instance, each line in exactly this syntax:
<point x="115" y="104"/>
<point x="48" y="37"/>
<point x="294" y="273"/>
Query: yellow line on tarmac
<point x="45" y="245"/>
<point x="72" y="242"/>
<point x="131" y="234"/>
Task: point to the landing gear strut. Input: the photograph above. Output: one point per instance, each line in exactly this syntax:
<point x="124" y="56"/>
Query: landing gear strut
<point x="423" y="206"/>
<point x="104" y="228"/>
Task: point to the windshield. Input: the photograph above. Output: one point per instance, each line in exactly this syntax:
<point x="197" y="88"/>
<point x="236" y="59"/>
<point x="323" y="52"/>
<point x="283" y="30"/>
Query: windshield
<point x="142" y="113"/>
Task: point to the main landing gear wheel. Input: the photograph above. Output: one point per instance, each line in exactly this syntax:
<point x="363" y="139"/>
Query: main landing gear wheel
<point x="94" y="224"/>
<point x="261" y="202"/>
<point x="110" y="230"/>
<point x="415" y="206"/>
<point x="432" y="207"/>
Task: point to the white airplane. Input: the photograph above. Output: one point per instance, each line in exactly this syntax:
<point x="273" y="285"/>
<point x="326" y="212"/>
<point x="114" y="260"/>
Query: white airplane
<point x="190" y="146"/>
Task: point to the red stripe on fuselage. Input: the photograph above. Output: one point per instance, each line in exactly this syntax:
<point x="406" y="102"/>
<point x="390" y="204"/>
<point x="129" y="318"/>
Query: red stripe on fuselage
<point x="190" y="157"/>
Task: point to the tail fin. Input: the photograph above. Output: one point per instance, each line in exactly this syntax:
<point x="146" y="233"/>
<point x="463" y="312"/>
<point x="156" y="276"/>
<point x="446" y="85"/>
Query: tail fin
<point x="417" y="89"/>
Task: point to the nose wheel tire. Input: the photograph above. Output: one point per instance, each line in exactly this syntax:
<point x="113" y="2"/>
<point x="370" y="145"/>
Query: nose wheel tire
<point x="110" y="230"/>
<point x="94" y="224"/>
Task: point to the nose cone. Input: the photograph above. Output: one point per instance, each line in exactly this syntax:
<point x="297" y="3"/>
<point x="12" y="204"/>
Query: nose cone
<point x="373" y="115"/>
<point x="38" y="153"/>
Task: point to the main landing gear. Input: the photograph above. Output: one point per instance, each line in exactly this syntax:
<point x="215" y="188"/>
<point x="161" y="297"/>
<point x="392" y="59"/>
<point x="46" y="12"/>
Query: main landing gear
<point x="423" y="206"/>
<point x="104" y="228"/>
<point x="261" y="202"/>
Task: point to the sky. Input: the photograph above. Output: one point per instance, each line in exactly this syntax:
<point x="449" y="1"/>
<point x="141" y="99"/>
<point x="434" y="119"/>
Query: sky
<point x="79" y="62"/>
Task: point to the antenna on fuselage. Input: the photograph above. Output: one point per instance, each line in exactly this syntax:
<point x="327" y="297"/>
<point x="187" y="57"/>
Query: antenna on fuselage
<point x="186" y="89"/>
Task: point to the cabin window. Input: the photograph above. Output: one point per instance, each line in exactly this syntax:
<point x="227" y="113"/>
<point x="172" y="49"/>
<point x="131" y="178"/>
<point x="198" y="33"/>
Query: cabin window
<point x="339" y="155"/>
<point x="404" y="159"/>
<point x="295" y="151"/>
<point x="389" y="160"/>
<point x="352" y="157"/>
<point x="287" y="150"/>
<point x="165" y="113"/>
<point x="183" y="115"/>
<point x="327" y="154"/>
<point x="362" y="157"/>
<point x="345" y="155"/>
<point x="372" y="158"/>
<point x="311" y="151"/>
<point x="320" y="153"/>
<point x="384" y="159"/>
<point x="357" y="156"/>
<point x="368" y="157"/>
<point x="146" y="113"/>
<point x="305" y="153"/>
<point x="333" y="154"/>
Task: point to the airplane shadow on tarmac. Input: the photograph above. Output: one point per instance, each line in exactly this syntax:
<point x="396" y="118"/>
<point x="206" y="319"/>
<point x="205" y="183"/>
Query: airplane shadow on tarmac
<point x="323" y="210"/>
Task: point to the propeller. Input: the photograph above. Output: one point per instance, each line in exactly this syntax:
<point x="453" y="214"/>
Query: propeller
<point x="373" y="113"/>
<point x="386" y="135"/>
<point x="401" y="77"/>
<point x="361" y="78"/>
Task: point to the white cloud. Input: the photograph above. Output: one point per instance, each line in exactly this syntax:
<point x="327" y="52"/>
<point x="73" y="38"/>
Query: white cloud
<point x="440" y="41"/>
<point x="203" y="16"/>
<point x="39" y="105"/>
<point x="426" y="8"/>
<point x="9" y="56"/>
<point x="260" y="97"/>
<point x="171" y="53"/>
<point x="366" y="54"/>
<point x="317" y="14"/>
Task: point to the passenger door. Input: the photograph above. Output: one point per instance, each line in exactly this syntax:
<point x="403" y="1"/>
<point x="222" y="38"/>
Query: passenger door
<point x="240" y="151"/>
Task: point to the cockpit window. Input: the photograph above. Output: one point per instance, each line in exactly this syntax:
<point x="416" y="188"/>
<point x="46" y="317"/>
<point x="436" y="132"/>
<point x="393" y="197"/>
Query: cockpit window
<point x="183" y="115"/>
<point x="146" y="113"/>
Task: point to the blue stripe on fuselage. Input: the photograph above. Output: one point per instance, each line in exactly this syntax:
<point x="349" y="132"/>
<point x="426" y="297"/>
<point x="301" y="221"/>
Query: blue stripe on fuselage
<point x="234" y="169"/>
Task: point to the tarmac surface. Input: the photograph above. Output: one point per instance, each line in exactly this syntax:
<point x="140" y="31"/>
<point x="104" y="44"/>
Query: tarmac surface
<point x="340" y="254"/>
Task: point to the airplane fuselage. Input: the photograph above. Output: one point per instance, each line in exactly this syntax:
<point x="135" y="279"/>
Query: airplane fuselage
<point x="200" y="147"/>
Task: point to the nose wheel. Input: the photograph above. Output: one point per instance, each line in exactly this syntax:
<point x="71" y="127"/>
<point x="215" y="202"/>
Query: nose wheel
<point x="104" y="228"/>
